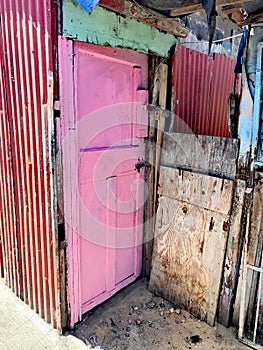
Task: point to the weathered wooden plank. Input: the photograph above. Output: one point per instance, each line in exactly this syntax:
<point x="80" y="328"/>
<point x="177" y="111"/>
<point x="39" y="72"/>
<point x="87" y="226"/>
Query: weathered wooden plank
<point x="183" y="10"/>
<point x="256" y="218"/>
<point x="140" y="13"/>
<point x="190" y="245"/>
<point x="241" y="299"/>
<point x="231" y="258"/>
<point x="149" y="208"/>
<point x="254" y="248"/>
<point x="163" y="73"/>
<point x="245" y="273"/>
<point x="213" y="155"/>
<point x="204" y="191"/>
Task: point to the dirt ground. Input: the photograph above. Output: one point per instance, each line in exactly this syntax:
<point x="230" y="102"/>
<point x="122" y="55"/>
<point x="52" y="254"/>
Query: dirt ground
<point x="136" y="319"/>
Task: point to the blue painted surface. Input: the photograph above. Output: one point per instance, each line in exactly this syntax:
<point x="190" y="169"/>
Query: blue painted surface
<point x="240" y="54"/>
<point x="88" y="5"/>
<point x="250" y="114"/>
<point x="257" y="100"/>
<point x="245" y="121"/>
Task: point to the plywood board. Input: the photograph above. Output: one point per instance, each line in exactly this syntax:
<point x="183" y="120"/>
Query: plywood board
<point x="190" y="240"/>
<point x="210" y="154"/>
<point x="207" y="192"/>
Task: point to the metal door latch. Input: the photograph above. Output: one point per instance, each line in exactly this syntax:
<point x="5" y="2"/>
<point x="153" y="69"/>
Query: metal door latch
<point x="140" y="165"/>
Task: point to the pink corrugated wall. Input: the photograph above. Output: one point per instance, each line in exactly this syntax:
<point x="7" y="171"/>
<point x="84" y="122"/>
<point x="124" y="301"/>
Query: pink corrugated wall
<point x="28" y="241"/>
<point x="201" y="88"/>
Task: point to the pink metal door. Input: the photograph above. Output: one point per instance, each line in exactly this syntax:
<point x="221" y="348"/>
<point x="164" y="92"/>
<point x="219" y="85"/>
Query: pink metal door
<point x="107" y="134"/>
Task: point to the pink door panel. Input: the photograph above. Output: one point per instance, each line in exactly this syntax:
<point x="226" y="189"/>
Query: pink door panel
<point x="108" y="121"/>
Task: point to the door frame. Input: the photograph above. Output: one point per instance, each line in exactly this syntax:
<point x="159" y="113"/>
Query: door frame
<point x="70" y="148"/>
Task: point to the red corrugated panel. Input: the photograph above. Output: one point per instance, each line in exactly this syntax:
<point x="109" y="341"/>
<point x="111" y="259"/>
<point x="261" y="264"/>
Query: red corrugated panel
<point x="8" y="240"/>
<point x="28" y="221"/>
<point x="201" y="88"/>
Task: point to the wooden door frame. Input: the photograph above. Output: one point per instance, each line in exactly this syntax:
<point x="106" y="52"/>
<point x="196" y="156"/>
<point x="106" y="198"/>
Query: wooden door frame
<point x="69" y="150"/>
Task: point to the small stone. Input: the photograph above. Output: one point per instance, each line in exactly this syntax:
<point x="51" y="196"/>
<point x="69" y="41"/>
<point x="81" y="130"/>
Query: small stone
<point x="135" y="308"/>
<point x="162" y="304"/>
<point x="171" y="310"/>
<point x="161" y="313"/>
<point x="151" y="304"/>
<point x="178" y="311"/>
<point x="183" y="320"/>
<point x="130" y="321"/>
<point x="138" y="321"/>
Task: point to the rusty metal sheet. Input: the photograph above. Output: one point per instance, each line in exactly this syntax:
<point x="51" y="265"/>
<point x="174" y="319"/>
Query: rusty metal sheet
<point x="201" y="88"/>
<point x="28" y="223"/>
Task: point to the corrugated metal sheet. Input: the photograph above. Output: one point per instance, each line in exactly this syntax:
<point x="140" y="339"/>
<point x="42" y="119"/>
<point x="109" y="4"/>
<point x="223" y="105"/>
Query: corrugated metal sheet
<point x="28" y="243"/>
<point x="201" y="88"/>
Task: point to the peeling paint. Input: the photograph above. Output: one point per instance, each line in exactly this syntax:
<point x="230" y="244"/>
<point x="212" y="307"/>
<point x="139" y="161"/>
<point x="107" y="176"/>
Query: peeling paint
<point x="104" y="27"/>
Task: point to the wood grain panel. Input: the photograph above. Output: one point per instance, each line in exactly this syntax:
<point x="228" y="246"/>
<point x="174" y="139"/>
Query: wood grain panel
<point x="191" y="234"/>
<point x="214" y="155"/>
<point x="204" y="191"/>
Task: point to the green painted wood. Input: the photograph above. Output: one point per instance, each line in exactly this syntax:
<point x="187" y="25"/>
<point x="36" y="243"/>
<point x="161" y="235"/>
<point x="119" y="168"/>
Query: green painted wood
<point x="104" y="27"/>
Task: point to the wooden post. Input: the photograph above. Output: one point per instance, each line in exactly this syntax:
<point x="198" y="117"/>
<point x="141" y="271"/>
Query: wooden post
<point x="154" y="88"/>
<point x="163" y="69"/>
<point x="158" y="89"/>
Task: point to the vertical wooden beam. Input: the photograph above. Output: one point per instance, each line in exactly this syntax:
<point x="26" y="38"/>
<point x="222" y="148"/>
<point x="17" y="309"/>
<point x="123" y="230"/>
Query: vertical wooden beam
<point x="160" y="125"/>
<point x="235" y="238"/>
<point x="149" y="212"/>
<point x="158" y="96"/>
<point x="244" y="294"/>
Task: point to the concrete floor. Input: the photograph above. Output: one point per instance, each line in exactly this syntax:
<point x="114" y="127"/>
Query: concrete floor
<point x="114" y="325"/>
<point x="135" y="319"/>
<point x="22" y="329"/>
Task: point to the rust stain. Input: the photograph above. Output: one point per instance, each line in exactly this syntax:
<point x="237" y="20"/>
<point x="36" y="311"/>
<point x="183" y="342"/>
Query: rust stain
<point x="201" y="88"/>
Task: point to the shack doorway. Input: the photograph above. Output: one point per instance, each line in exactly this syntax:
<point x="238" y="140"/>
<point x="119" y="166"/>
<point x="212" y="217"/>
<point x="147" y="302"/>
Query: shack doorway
<point x="104" y="116"/>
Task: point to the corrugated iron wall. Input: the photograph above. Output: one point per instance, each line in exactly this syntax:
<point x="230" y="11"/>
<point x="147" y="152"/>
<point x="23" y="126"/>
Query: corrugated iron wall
<point x="28" y="244"/>
<point x="201" y="88"/>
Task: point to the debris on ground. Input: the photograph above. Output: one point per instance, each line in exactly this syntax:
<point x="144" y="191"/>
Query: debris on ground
<point x="195" y="339"/>
<point x="135" y="319"/>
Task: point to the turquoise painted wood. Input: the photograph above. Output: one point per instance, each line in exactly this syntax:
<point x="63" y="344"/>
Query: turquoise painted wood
<point x="105" y="27"/>
<point x="105" y="117"/>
